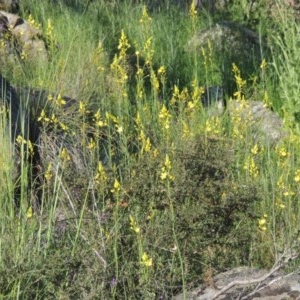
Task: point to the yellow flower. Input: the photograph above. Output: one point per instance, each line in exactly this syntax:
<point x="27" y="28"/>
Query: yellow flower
<point x="98" y="121"/>
<point x="161" y="71"/>
<point x="123" y="44"/>
<point x="297" y="176"/>
<point x="43" y="117"/>
<point x="146" y="260"/>
<point x="251" y="166"/>
<point x="60" y="101"/>
<point x="262" y="223"/>
<point x="32" y="22"/>
<point x="263" y="64"/>
<point x="21" y="141"/>
<point x="117" y="187"/>
<point x="155" y="152"/>
<point x="101" y="174"/>
<point x="49" y="30"/>
<point x="280" y="204"/>
<point x="145" y="16"/>
<point x="53" y="119"/>
<point x="193" y="10"/>
<point x="91" y="145"/>
<point x="146" y="144"/>
<point x="48" y="173"/>
<point x="208" y="126"/>
<point x="166" y="170"/>
<point x="282" y="151"/>
<point x="164" y="117"/>
<point x="29" y="213"/>
<point x="82" y="108"/>
<point x="63" y="126"/>
<point x="133" y="225"/>
<point x="280" y="183"/>
<point x="64" y="155"/>
<point x="119" y="128"/>
<point x="254" y="149"/>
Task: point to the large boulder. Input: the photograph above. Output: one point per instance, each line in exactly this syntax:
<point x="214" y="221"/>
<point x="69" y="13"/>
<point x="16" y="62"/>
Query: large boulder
<point x="10" y="5"/>
<point x="19" y="40"/>
<point x="266" y="126"/>
<point x="10" y="101"/>
<point x="228" y="43"/>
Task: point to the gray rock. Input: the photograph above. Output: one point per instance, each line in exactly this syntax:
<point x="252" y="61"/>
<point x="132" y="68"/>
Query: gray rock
<point x="229" y="36"/>
<point x="10" y="100"/>
<point x="210" y="6"/>
<point x="266" y="126"/>
<point x="20" y="40"/>
<point x="10" y="5"/>
<point x="248" y="284"/>
<point x="228" y="43"/>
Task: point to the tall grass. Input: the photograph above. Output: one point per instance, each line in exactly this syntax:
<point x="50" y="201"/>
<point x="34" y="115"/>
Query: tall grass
<point x="141" y="192"/>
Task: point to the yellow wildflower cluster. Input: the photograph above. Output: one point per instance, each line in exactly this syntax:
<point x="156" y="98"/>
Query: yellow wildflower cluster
<point x="120" y="67"/>
<point x="145" y="142"/>
<point x="166" y="170"/>
<point x="98" y="57"/>
<point x="21" y="141"/>
<point x="185" y="129"/>
<point x="115" y="120"/>
<point x="82" y="108"/>
<point x="123" y="45"/>
<point x="241" y="84"/>
<point x="188" y="101"/>
<point x="64" y="155"/>
<point x="193" y="11"/>
<point x="23" y="55"/>
<point x="262" y="222"/>
<point x="241" y="118"/>
<point x="263" y="64"/>
<point x="146" y="260"/>
<point x="154" y="82"/>
<point x="91" y="144"/>
<point x="119" y="70"/>
<point x="48" y="174"/>
<point x="251" y="167"/>
<point x="266" y="100"/>
<point x="213" y="125"/>
<point x="50" y="36"/>
<point x="164" y="117"/>
<point x="162" y="74"/>
<point x="98" y="121"/>
<point x="100" y="176"/>
<point x="280" y="204"/>
<point x="116" y="188"/>
<point x="197" y="91"/>
<point x="148" y="51"/>
<point x="297" y="176"/>
<point x="282" y="152"/>
<point x="145" y="19"/>
<point x="134" y="225"/>
<point x="284" y="188"/>
<point x="33" y="23"/>
<point x="59" y="101"/>
<point x="29" y="213"/>
<point x="255" y="149"/>
<point x="43" y="118"/>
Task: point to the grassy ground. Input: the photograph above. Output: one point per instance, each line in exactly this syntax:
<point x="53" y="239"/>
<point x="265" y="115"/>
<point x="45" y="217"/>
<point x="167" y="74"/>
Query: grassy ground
<point x="140" y="192"/>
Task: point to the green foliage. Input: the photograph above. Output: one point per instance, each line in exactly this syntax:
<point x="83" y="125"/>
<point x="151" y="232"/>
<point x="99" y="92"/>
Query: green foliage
<point x="139" y="192"/>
